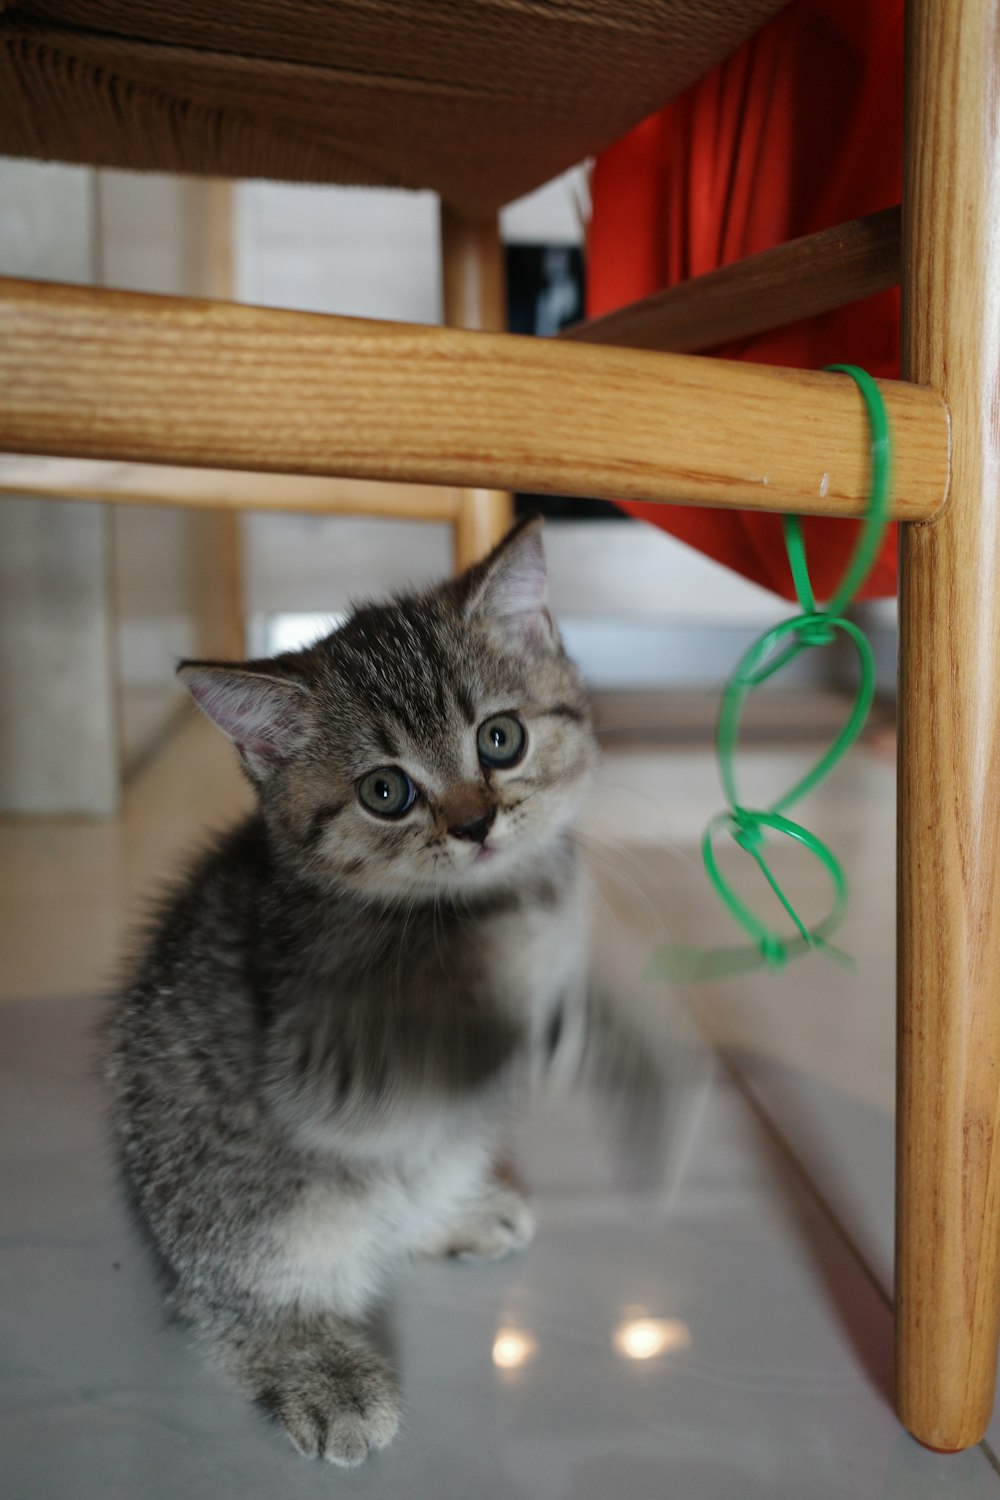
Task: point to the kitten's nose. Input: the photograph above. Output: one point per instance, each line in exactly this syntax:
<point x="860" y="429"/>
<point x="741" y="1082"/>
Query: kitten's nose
<point x="477" y="829"/>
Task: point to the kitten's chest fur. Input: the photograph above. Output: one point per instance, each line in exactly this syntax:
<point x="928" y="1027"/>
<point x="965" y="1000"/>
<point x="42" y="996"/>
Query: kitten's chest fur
<point x="513" y="950"/>
<point x="536" y="952"/>
<point x="390" y="1023"/>
<point x="460" y="1006"/>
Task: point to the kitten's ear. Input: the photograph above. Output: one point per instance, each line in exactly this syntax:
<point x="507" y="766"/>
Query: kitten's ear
<point x="266" y="716"/>
<point x="510" y="589"/>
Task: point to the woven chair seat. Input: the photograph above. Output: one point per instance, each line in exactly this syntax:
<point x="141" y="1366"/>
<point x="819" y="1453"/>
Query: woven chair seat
<point x="480" y="100"/>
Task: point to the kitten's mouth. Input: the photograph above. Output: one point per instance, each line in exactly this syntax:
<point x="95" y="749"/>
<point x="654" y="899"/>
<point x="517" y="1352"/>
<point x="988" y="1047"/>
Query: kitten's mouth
<point x="484" y="853"/>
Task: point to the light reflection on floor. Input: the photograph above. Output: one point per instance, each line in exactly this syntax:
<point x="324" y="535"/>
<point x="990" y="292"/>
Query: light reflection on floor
<point x="704" y="1313"/>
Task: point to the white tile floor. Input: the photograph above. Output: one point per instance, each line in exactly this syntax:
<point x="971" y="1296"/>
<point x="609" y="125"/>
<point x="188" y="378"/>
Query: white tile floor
<point x="759" y="1259"/>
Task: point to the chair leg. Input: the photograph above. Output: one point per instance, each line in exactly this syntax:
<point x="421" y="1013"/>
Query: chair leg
<point x="948" y="1143"/>
<point x="483" y="517"/>
<point x="475" y="296"/>
<point x="218" y="596"/>
<point x="218" y="584"/>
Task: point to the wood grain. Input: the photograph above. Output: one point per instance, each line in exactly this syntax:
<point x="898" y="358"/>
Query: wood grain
<point x="217" y="592"/>
<point x="474" y="286"/>
<point x="805" y="277"/>
<point x="124" y="376"/>
<point x="948" y="1207"/>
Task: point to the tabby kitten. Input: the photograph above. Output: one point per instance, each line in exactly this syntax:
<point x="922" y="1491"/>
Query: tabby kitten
<point x="310" y="1068"/>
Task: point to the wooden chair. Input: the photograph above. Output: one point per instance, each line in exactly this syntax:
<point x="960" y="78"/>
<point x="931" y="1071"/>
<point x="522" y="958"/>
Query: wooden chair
<point x="474" y="296"/>
<point x="482" y="102"/>
<point x="480" y="107"/>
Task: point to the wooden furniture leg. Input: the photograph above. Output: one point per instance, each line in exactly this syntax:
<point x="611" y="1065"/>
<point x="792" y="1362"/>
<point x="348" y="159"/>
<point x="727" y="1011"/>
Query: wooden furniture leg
<point x="475" y="296"/>
<point x="948" y="1208"/>
<point x="218" y="585"/>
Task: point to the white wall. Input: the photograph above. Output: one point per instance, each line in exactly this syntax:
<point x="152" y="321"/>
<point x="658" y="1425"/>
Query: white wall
<point x="640" y="609"/>
<point x="357" y="252"/>
<point x="96" y="602"/>
<point x="146" y="232"/>
<point x="58" y="734"/>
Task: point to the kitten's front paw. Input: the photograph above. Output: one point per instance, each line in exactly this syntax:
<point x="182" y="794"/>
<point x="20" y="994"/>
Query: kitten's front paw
<point x="334" y="1412"/>
<point x="500" y="1223"/>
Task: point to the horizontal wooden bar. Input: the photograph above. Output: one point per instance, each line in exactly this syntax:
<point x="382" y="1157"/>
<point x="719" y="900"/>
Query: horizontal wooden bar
<point x="92" y="373"/>
<point x="222" y="489"/>
<point x="805" y="277"/>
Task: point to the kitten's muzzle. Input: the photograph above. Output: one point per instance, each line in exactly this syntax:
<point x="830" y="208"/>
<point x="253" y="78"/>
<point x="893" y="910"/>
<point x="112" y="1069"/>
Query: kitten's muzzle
<point x="475" y="830"/>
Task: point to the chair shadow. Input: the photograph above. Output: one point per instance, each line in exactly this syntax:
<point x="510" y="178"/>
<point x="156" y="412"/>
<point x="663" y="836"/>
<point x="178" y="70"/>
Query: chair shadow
<point x="860" y="1304"/>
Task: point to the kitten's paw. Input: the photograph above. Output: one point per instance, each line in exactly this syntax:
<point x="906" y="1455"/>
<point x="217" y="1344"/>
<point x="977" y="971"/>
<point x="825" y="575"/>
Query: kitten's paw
<point x="335" y="1412"/>
<point x="500" y="1223"/>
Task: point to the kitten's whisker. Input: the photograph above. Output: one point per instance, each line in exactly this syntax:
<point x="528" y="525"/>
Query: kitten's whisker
<point x="602" y="897"/>
<point x="669" y="837"/>
<point x="621" y="873"/>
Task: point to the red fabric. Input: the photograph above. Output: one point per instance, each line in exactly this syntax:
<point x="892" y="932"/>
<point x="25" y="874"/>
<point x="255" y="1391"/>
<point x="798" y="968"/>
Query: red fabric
<point x="799" y="130"/>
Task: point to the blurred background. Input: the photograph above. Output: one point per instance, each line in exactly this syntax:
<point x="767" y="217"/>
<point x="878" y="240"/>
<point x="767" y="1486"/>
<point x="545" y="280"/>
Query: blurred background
<point x="98" y="603"/>
<point x="758" y="1284"/>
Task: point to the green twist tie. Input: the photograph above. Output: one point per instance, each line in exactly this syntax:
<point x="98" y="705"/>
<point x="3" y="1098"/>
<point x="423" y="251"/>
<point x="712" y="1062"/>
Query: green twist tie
<point x="749" y="827"/>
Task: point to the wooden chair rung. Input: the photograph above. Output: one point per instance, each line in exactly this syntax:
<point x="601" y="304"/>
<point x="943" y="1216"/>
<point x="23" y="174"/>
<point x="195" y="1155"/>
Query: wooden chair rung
<point x="222" y="489"/>
<point x="805" y="277"/>
<point x="89" y="373"/>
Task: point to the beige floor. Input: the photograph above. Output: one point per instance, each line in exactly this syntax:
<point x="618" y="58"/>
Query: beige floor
<point x="815" y="1043"/>
<point x="803" y="1058"/>
<point x="72" y="889"/>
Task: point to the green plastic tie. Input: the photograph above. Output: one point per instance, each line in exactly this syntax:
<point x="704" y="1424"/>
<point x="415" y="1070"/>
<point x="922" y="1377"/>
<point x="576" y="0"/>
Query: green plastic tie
<point x="749" y="827"/>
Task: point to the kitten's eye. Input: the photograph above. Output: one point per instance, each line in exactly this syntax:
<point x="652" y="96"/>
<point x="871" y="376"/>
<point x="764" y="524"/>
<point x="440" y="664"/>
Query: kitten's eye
<point x="387" y="791"/>
<point x="501" y="740"/>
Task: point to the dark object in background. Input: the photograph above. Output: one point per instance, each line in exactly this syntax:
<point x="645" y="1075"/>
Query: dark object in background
<point x="545" y="288"/>
<point x="545" y="291"/>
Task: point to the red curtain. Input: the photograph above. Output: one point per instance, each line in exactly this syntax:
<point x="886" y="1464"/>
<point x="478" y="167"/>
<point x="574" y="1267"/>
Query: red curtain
<point x="799" y="130"/>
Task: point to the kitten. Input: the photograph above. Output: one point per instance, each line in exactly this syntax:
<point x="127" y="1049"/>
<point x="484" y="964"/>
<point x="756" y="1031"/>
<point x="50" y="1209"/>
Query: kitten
<point x="311" y="1066"/>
